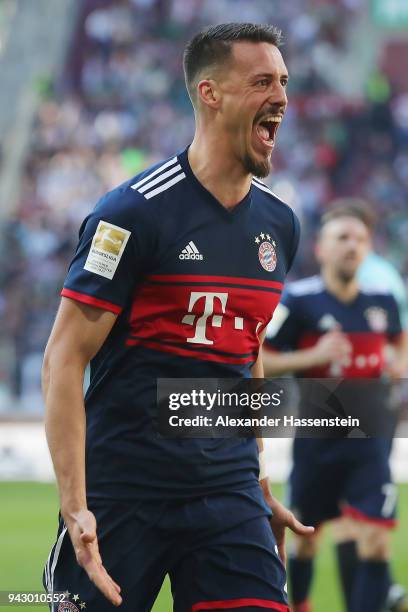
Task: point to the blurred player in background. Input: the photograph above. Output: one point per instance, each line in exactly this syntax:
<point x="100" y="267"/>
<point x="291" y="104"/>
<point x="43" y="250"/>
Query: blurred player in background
<point x="175" y="275"/>
<point x="327" y="326"/>
<point x="374" y="274"/>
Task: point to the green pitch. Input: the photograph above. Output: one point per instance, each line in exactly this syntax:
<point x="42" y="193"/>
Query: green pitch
<point x="28" y="526"/>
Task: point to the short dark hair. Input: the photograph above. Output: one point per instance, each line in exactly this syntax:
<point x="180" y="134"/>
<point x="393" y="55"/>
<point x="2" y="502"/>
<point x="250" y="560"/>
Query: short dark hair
<point x="350" y="207"/>
<point x="213" y="46"/>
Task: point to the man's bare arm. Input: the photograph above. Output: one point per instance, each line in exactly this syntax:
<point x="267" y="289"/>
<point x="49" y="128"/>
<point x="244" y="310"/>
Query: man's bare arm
<point x="331" y="347"/>
<point x="398" y="364"/>
<point x="78" y="333"/>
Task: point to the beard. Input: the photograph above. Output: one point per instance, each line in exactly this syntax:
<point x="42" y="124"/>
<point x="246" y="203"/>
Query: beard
<point x="346" y="276"/>
<point x="260" y="169"/>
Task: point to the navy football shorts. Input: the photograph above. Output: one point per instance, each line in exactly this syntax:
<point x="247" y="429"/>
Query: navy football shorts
<point x="349" y="477"/>
<point x="219" y="552"/>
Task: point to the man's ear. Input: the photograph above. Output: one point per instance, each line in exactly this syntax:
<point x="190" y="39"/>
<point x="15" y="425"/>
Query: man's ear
<point x="208" y="93"/>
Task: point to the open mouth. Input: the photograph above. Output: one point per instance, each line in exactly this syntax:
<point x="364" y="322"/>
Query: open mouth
<point x="266" y="129"/>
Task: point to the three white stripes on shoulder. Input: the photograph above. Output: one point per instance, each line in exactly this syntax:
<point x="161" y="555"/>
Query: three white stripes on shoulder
<point x="146" y="184"/>
<point x="172" y="171"/>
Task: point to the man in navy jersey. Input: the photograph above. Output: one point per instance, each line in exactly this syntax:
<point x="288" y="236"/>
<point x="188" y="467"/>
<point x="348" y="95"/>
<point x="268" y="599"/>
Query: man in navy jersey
<point x="326" y="326"/>
<point x="375" y="274"/>
<point x="176" y="274"/>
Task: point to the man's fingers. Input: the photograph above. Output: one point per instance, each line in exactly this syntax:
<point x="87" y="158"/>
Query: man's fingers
<point x="95" y="551"/>
<point x="114" y="584"/>
<point x="102" y="580"/>
<point x="298" y="527"/>
<point x="89" y="558"/>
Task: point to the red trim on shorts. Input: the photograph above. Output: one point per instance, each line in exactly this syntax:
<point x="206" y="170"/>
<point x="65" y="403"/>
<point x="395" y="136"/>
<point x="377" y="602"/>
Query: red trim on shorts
<point x="228" y="604"/>
<point x="360" y="516"/>
<point x="88" y="299"/>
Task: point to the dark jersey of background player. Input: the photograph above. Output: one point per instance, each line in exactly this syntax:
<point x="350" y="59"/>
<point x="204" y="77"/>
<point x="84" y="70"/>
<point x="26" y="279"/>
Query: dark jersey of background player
<point x="308" y="311"/>
<point x="369" y="322"/>
<point x="162" y="253"/>
<point x="329" y="472"/>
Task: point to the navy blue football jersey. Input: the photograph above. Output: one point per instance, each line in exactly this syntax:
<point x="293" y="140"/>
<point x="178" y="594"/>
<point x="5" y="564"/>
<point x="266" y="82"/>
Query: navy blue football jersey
<point x="308" y="310"/>
<point x="331" y="475"/>
<point x="193" y="285"/>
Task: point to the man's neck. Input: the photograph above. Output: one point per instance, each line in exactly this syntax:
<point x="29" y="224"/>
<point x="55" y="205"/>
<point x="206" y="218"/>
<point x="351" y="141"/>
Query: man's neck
<point x="214" y="166"/>
<point x="344" y="291"/>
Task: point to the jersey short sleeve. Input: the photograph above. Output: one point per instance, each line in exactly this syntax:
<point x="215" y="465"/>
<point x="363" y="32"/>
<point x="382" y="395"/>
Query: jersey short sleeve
<point x="295" y="241"/>
<point x="284" y="330"/>
<point x="394" y="319"/>
<point x="109" y="260"/>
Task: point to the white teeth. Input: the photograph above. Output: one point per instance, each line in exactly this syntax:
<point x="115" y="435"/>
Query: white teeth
<point x="273" y="119"/>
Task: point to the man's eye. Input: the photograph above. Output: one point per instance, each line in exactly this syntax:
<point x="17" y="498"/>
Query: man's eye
<point x="284" y="82"/>
<point x="263" y="82"/>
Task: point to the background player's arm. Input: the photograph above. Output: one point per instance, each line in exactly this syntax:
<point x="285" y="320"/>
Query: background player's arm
<point x="402" y="350"/>
<point x="331" y="347"/>
<point x="396" y="355"/>
<point x="78" y="333"/>
<point x="284" y="333"/>
<point x="398" y="364"/>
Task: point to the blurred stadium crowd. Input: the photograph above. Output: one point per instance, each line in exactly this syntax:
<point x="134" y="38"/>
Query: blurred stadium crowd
<point x="120" y="105"/>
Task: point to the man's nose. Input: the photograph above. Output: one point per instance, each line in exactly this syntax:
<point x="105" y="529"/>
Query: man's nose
<point x="278" y="97"/>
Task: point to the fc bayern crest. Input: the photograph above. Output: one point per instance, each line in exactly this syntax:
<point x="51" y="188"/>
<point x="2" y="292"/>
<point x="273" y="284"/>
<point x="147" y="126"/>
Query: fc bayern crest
<point x="266" y="252"/>
<point x="377" y="319"/>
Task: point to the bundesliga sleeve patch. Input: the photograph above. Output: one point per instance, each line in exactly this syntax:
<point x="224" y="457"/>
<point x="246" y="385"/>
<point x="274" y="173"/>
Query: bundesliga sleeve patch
<point x="106" y="250"/>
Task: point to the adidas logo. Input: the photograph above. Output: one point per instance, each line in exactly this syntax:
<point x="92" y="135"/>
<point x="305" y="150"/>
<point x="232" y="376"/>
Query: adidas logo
<point x="191" y="252"/>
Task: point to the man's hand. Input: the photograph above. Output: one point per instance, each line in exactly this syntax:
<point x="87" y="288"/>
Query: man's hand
<point x="395" y="370"/>
<point x="332" y="347"/>
<point x="82" y="530"/>
<point x="282" y="518"/>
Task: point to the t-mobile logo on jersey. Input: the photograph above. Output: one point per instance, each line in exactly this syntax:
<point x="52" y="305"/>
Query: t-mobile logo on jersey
<point x="200" y="322"/>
